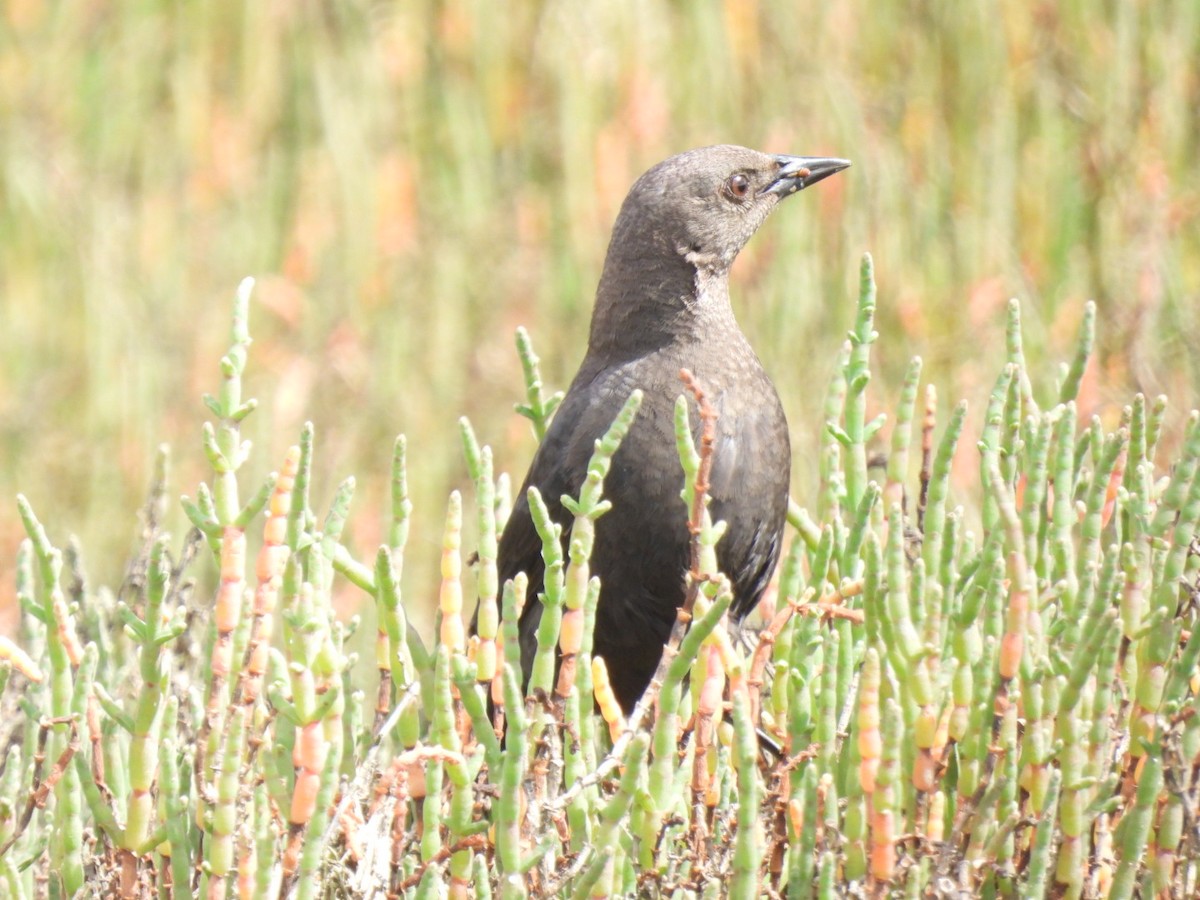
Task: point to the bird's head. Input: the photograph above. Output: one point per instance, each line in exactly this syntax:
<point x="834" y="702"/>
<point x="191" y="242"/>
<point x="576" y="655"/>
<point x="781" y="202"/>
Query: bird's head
<point x="679" y="230"/>
<point x="705" y="204"/>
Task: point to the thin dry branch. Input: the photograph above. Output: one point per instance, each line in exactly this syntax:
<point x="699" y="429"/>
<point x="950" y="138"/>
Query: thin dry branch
<point x="828" y="607"/>
<point x="708" y="437"/>
<point x="41" y="789"/>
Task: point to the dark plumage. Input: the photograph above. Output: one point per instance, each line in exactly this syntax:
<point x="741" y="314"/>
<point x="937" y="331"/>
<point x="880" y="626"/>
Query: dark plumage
<point x="662" y="305"/>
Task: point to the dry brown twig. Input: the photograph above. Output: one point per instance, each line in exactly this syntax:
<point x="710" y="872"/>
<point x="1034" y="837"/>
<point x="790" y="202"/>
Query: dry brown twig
<point x="41" y="789"/>
<point x="708" y="437"/>
<point x="360" y="786"/>
<point x="828" y="607"/>
<point x="471" y="842"/>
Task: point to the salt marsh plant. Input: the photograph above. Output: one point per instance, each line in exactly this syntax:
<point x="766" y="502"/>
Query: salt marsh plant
<point x="988" y="695"/>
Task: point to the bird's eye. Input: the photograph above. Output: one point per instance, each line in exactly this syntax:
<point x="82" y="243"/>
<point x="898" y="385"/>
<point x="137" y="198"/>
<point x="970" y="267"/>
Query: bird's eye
<point x="738" y="185"/>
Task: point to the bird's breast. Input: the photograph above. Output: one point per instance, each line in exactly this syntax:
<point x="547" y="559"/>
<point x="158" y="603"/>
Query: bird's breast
<point x="751" y="450"/>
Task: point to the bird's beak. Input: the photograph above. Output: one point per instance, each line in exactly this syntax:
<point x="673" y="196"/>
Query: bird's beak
<point x="798" y="172"/>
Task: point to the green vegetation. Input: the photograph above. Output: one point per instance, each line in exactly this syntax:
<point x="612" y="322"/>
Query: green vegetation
<point x="1011" y="712"/>
<point x="411" y="181"/>
<point x="981" y="660"/>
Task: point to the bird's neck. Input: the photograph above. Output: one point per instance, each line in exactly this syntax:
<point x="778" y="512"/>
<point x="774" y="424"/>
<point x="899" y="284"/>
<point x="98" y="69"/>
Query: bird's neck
<point x="648" y="300"/>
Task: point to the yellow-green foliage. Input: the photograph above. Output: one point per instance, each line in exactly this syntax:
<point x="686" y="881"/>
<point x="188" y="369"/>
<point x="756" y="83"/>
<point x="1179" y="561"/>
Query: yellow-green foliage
<point x="410" y="179"/>
<point x="992" y="703"/>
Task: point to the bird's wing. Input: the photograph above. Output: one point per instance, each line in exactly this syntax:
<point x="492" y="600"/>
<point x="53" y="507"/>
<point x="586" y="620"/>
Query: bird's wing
<point x="558" y="468"/>
<point x="749" y="485"/>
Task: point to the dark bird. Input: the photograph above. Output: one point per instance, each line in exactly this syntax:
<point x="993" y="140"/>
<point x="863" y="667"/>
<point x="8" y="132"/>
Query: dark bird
<point x="662" y="305"/>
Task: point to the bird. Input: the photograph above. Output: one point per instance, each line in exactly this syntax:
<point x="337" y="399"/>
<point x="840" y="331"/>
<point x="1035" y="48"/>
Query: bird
<point x="662" y="304"/>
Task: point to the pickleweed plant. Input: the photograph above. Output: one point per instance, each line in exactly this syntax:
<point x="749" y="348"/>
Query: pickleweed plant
<point x="994" y="694"/>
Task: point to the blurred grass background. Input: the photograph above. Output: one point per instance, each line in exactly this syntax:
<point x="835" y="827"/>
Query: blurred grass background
<point x="412" y="180"/>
